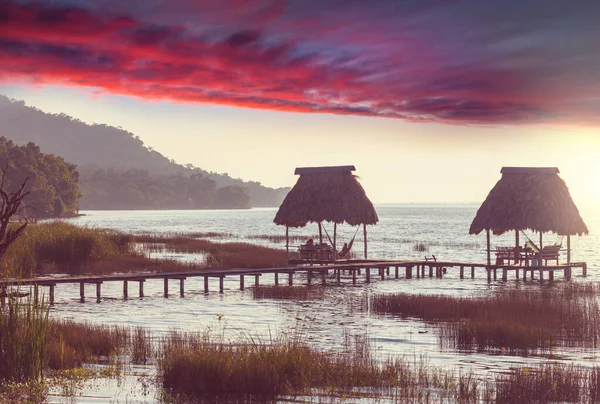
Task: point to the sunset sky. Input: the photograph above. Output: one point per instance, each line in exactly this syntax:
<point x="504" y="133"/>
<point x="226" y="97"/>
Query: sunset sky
<point x="428" y="99"/>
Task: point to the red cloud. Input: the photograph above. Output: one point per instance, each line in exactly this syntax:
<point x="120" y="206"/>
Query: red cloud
<point x="247" y="68"/>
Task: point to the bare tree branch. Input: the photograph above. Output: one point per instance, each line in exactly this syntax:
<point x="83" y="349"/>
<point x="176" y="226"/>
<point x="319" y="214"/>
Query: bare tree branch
<point x="9" y="204"/>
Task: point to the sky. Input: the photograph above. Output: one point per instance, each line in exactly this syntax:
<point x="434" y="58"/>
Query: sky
<point x="428" y="99"/>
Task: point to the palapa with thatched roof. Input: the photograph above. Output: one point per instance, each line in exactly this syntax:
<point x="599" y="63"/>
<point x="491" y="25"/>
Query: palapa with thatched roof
<point x="326" y="194"/>
<point x="529" y="198"/>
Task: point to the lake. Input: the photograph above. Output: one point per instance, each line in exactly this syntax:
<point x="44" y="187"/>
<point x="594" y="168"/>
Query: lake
<point x="235" y="314"/>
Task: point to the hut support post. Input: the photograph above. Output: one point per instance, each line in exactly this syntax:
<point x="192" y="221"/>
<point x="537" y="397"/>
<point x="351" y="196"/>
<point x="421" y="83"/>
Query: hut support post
<point x="287" y="243"/>
<point x="365" y="237"/>
<point x="568" y="248"/>
<point x="517" y="245"/>
<point x="320" y="233"/>
<point x="334" y="241"/>
<point x="489" y="258"/>
<point x="540" y="257"/>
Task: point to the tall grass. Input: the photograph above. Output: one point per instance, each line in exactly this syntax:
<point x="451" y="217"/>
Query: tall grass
<point x="288" y="292"/>
<point x="59" y="247"/>
<point x="23" y="328"/>
<point x="519" y="320"/>
<point x="219" y="255"/>
<point x="192" y="365"/>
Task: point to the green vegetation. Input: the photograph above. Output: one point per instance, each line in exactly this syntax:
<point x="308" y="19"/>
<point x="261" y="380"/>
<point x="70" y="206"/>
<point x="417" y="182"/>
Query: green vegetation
<point x="53" y="183"/>
<point x="59" y="247"/>
<point x="517" y="320"/>
<point x="23" y="331"/>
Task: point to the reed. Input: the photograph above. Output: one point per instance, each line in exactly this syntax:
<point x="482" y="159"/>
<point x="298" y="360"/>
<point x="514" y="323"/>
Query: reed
<point x="70" y="344"/>
<point x="51" y="246"/>
<point x="220" y="255"/>
<point x="141" y="346"/>
<point x="192" y="365"/>
<point x="520" y="320"/>
<point x="545" y="384"/>
<point x="23" y="328"/>
<point x="288" y="292"/>
<point x="420" y="246"/>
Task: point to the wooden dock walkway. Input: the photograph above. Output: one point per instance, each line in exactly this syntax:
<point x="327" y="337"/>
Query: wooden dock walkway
<point x="411" y="269"/>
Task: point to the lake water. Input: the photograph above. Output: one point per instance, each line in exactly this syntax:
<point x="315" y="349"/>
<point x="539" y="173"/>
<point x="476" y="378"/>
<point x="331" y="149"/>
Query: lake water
<point x="235" y="314"/>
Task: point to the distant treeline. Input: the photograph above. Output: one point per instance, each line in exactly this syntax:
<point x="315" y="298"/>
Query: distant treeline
<point x="108" y="147"/>
<point x="139" y="189"/>
<point x="52" y="182"/>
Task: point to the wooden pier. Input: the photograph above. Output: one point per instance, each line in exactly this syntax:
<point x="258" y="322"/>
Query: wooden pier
<point x="411" y="269"/>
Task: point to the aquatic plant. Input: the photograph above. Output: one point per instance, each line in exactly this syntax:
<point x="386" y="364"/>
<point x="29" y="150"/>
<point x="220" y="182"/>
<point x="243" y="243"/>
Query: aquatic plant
<point x="518" y="320"/>
<point x="59" y="247"/>
<point x="288" y="292"/>
<point x="23" y="328"/>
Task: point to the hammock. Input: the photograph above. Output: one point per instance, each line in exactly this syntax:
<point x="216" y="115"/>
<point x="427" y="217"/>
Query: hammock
<point x="344" y="251"/>
<point x="529" y="243"/>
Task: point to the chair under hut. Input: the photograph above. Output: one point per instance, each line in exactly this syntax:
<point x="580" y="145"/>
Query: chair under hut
<point x="530" y="198"/>
<point x="326" y="194"/>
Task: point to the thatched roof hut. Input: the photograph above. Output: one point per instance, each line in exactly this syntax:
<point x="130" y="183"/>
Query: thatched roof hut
<point x="527" y="198"/>
<point x="326" y="194"/>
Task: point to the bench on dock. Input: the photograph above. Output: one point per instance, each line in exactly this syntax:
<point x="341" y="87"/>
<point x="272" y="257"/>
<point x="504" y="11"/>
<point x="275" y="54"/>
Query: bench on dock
<point x="550" y="253"/>
<point x="508" y="254"/>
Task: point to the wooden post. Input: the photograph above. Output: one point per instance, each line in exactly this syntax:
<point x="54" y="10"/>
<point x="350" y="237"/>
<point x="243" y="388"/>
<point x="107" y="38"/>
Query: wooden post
<point x="551" y="276"/>
<point x="489" y="257"/>
<point x="309" y="276"/>
<point x="241" y="282"/>
<point x="568" y="248"/>
<point x="82" y="292"/>
<point x="51" y="293"/>
<point x="142" y="287"/>
<point x="584" y="270"/>
<point x="382" y="273"/>
<point x="166" y="287"/>
<point x="354" y="276"/>
<point x="337" y="275"/>
<point x="206" y="284"/>
<point x="489" y="274"/>
<point x="540" y="258"/>
<point x="396" y="272"/>
<point x="320" y="233"/>
<point x="368" y="274"/>
<point x="462" y="272"/>
<point x="276" y="278"/>
<point x="407" y="273"/>
<point x="431" y="271"/>
<point x="36" y="293"/>
<point x="256" y="280"/>
<point x="324" y="277"/>
<point x="98" y="294"/>
<point x="365" y="238"/>
<point x="181" y="287"/>
<point x="504" y="274"/>
<point x="495" y="273"/>
<point x="125" y="291"/>
<point x="517" y="245"/>
<point x="472" y="271"/>
<point x="334" y="241"/>
<point x="291" y="278"/>
<point x="287" y="244"/>
<point x="221" y="283"/>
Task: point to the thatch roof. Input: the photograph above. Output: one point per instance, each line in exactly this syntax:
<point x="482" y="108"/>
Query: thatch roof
<point x="529" y="199"/>
<point x="330" y="194"/>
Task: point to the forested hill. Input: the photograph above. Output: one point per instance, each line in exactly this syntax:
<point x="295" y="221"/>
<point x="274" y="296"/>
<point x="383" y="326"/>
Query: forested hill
<point x="105" y="147"/>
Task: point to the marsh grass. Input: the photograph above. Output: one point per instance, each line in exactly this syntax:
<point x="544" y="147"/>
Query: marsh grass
<point x="141" y="346"/>
<point x="519" y="320"/>
<point x="420" y="246"/>
<point x="48" y="246"/>
<point x="219" y="255"/>
<point x="193" y="365"/>
<point x="548" y="383"/>
<point x="23" y="328"/>
<point x="288" y="292"/>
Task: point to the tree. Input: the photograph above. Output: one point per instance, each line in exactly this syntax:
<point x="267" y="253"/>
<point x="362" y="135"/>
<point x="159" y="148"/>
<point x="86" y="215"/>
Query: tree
<point x="9" y="205"/>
